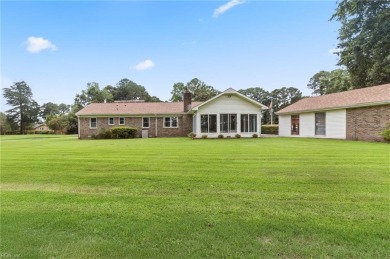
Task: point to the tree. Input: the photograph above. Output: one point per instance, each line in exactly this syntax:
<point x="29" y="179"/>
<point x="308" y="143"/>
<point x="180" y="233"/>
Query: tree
<point x="49" y="109"/>
<point x="63" y="108"/>
<point x="257" y="94"/>
<point x="25" y="110"/>
<point x="177" y="92"/>
<point x="4" y="124"/>
<point x="262" y="96"/>
<point x="200" y="91"/>
<point x="72" y="123"/>
<point x="59" y="123"/>
<point x="364" y="40"/>
<point x="284" y="97"/>
<point x="93" y="94"/>
<point x="128" y="90"/>
<point x="325" y="82"/>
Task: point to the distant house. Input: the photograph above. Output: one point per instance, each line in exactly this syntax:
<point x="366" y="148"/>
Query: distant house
<point x="41" y="128"/>
<point x="228" y="113"/>
<point x="357" y="115"/>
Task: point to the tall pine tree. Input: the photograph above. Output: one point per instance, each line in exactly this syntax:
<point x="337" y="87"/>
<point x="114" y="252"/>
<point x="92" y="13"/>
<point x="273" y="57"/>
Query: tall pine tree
<point x="25" y="110"/>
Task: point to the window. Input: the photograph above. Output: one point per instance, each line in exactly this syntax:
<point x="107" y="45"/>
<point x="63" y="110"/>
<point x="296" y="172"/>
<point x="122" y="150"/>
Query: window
<point x="228" y="123"/>
<point x="320" y="120"/>
<point x="121" y="121"/>
<point x="92" y="123"/>
<point x="110" y="121"/>
<point x="208" y="123"/>
<point x="248" y="123"/>
<point x="170" y="122"/>
<point x="145" y="122"/>
<point x="294" y="124"/>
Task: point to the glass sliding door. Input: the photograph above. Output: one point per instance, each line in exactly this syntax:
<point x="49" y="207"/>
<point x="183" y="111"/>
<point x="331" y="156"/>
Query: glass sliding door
<point x="228" y="123"/>
<point x="248" y="123"/>
<point x="208" y="123"/>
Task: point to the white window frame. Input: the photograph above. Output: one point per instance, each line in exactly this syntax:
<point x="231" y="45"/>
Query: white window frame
<point x="143" y="125"/>
<point x="229" y="130"/>
<point x="247" y="126"/>
<point x="90" y="123"/>
<point x="170" y="122"/>
<point x="113" y="121"/>
<point x="208" y="123"/>
<point x="124" y="121"/>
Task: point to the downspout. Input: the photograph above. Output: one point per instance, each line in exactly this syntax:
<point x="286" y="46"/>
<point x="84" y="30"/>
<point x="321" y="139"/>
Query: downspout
<point x="78" y="126"/>
<point x="155" y="115"/>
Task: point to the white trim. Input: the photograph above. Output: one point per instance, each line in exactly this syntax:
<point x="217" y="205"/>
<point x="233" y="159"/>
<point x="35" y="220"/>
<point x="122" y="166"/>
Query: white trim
<point x="90" y="123"/>
<point x="119" y="121"/>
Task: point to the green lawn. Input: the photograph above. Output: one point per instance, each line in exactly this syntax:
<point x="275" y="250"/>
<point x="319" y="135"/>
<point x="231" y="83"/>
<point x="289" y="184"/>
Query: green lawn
<point x="181" y="198"/>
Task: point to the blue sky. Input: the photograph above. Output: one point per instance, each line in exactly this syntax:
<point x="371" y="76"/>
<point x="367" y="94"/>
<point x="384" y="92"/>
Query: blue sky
<point x="58" y="47"/>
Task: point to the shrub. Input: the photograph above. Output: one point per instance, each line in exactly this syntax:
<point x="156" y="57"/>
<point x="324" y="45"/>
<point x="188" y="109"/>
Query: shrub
<point x="104" y="134"/>
<point x="238" y="135"/>
<point x="255" y="136"/>
<point x="204" y="136"/>
<point x="221" y="136"/>
<point x="386" y="133"/>
<point x="270" y="129"/>
<point x="123" y="132"/>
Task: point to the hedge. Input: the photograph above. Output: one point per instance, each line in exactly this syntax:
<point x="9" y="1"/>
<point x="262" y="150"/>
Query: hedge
<point x="123" y="132"/>
<point x="270" y="129"/>
<point x="116" y="133"/>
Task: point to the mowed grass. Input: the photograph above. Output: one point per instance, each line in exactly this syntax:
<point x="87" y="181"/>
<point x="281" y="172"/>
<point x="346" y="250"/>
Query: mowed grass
<point x="181" y="198"/>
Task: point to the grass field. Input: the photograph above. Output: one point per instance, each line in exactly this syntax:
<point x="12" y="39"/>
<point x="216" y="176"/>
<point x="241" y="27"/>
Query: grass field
<point x="181" y="198"/>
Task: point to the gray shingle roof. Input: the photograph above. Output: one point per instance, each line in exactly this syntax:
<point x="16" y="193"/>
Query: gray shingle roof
<point x="369" y="96"/>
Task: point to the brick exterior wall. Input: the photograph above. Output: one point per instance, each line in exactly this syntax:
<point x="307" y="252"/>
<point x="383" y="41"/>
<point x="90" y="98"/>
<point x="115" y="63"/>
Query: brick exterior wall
<point x="365" y="123"/>
<point x="185" y="126"/>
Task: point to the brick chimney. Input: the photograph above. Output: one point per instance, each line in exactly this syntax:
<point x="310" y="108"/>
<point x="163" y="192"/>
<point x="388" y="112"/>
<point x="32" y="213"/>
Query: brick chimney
<point x="187" y="98"/>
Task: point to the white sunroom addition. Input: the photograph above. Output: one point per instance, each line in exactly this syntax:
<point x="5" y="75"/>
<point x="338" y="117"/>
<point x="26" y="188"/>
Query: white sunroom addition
<point x="228" y="114"/>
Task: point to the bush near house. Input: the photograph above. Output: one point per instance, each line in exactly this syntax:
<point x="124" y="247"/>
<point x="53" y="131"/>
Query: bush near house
<point x="123" y="132"/>
<point x="116" y="133"/>
<point x="270" y="129"/>
<point x="386" y="133"/>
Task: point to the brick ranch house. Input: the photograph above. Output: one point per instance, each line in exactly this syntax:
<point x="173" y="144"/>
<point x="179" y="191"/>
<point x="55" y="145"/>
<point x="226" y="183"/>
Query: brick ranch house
<point x="355" y="115"/>
<point x="228" y="113"/>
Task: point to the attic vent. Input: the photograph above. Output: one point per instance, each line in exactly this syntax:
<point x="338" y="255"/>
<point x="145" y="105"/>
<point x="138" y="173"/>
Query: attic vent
<point x="130" y="101"/>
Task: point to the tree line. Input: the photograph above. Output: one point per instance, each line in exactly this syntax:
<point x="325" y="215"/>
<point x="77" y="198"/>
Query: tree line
<point x="364" y="57"/>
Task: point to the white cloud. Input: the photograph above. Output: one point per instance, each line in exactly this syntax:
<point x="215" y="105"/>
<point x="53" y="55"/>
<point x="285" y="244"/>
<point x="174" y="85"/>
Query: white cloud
<point x="223" y="8"/>
<point x="37" y="44"/>
<point x="143" y="65"/>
